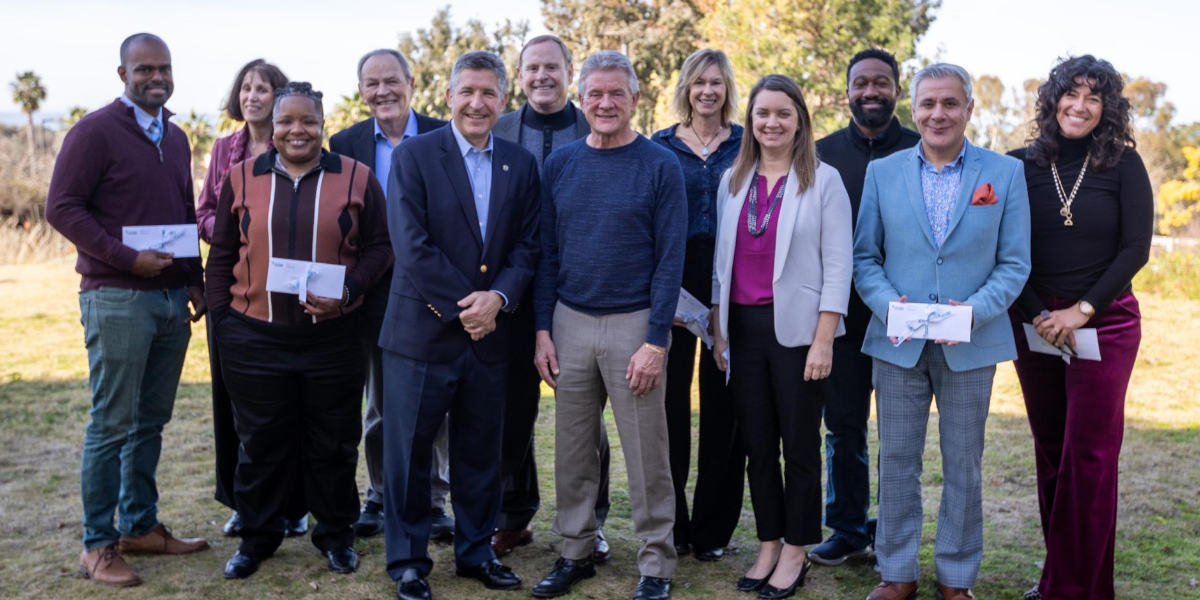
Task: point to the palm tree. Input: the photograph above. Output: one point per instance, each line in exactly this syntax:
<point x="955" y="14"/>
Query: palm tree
<point x="74" y="114"/>
<point x="28" y="92"/>
<point x="200" y="136"/>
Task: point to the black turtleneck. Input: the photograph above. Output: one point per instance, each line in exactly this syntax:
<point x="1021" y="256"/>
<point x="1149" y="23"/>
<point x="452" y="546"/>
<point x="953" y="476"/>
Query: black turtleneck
<point x="1113" y="215"/>
<point x="554" y="121"/>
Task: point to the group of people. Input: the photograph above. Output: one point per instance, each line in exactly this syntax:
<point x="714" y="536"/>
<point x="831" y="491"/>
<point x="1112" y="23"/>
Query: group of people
<point x="487" y="255"/>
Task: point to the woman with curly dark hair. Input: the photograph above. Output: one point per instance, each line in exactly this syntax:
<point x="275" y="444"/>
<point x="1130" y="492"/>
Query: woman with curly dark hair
<point x="1092" y="213"/>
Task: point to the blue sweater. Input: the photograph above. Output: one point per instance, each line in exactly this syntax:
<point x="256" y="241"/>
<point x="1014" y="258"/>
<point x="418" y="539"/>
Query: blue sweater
<point x="614" y="228"/>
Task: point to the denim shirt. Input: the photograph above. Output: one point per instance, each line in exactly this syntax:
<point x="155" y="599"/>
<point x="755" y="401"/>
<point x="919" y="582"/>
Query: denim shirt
<point x="702" y="177"/>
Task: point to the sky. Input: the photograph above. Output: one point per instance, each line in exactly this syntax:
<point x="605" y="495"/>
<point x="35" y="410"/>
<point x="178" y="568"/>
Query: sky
<point x="74" y="44"/>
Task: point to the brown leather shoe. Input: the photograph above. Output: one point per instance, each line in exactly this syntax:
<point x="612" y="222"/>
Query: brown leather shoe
<point x="160" y="541"/>
<point x="949" y="593"/>
<point x="600" y="550"/>
<point x="505" y="540"/>
<point x="105" y="566"/>
<point x="890" y="590"/>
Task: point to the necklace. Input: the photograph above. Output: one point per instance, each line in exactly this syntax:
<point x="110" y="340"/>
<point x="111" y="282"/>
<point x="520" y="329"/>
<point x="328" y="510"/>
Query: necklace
<point x="704" y="152"/>
<point x="752" y="211"/>
<point x="1063" y="197"/>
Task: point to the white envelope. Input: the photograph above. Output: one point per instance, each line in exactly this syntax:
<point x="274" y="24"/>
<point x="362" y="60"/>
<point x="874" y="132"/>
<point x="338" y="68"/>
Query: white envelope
<point x="179" y="240"/>
<point x="906" y="320"/>
<point x="695" y="314"/>
<point x="1087" y="345"/>
<point x="286" y="276"/>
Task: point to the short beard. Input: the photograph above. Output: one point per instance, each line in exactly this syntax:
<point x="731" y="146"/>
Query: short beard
<point x="142" y="99"/>
<point x="873" y="118"/>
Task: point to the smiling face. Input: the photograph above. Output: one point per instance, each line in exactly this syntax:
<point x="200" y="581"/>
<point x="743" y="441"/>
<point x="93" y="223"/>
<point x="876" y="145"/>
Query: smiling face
<point x="545" y="77"/>
<point x="774" y="120"/>
<point x="255" y="97"/>
<point x="872" y="91"/>
<point x="298" y="133"/>
<point x="608" y="103"/>
<point x="941" y="112"/>
<point x="475" y="103"/>
<point x="147" y="75"/>
<point x="1079" y="110"/>
<point x="707" y="93"/>
<point x="384" y="87"/>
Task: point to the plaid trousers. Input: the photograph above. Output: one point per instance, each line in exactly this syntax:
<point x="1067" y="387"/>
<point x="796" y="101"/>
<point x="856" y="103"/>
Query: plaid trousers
<point x="902" y="399"/>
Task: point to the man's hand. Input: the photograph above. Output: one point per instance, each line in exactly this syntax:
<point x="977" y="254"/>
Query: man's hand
<point x="196" y="295"/>
<point x="953" y="302"/>
<point x="479" y="314"/>
<point x="546" y="359"/>
<point x="645" y="369"/>
<point x="319" y="307"/>
<point x="896" y="340"/>
<point x="149" y="263"/>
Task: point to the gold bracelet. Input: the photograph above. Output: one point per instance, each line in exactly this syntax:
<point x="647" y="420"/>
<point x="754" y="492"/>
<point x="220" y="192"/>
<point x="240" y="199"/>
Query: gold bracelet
<point x="655" y="349"/>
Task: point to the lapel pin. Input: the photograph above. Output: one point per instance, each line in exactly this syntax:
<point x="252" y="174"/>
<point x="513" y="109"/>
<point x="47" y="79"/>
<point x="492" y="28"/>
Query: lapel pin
<point x="505" y="167"/>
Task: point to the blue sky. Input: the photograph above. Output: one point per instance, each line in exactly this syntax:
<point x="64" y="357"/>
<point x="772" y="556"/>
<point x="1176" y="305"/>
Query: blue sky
<point x="73" y="44"/>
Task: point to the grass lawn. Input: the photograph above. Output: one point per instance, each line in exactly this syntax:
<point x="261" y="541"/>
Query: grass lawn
<point x="44" y="402"/>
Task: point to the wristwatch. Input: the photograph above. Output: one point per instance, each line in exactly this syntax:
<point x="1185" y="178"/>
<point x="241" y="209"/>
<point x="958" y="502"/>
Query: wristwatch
<point x="1086" y="308"/>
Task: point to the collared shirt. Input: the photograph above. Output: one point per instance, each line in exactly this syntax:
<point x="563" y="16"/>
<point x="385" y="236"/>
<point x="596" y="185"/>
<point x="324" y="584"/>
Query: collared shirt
<point x="479" y="171"/>
<point x="702" y="177"/>
<point x="939" y="190"/>
<point x="144" y="119"/>
<point x="384" y="147"/>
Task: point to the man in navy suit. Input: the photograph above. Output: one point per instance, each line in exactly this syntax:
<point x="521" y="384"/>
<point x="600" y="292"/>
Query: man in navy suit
<point x="386" y="86"/>
<point x="463" y="215"/>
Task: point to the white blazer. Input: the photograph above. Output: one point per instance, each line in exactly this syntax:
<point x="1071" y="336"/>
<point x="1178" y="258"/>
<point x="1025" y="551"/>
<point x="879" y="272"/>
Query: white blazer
<point x="813" y="249"/>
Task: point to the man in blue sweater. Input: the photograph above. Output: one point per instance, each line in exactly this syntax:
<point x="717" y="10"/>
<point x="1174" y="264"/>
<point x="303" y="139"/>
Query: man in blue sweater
<point x="614" y="225"/>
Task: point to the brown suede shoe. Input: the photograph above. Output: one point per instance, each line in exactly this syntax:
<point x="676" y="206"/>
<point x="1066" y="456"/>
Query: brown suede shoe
<point x="949" y="593"/>
<point x="890" y="590"/>
<point x="105" y="566"/>
<point x="160" y="541"/>
<point x="505" y="540"/>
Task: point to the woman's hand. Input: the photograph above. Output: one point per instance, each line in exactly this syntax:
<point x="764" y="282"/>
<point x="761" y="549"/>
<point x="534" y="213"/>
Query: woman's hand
<point x="719" y="343"/>
<point x="1060" y="326"/>
<point x="820" y="360"/>
<point x="319" y="307"/>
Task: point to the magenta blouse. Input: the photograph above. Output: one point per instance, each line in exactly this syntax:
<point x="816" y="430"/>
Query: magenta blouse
<point x="754" y="257"/>
<point x="226" y="152"/>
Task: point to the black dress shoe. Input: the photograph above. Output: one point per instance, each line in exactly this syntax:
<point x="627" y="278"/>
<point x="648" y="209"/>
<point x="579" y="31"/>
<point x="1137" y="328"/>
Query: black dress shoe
<point x="370" y="520"/>
<point x="241" y="566"/>
<point x="416" y="589"/>
<point x="233" y="527"/>
<point x="652" y="588"/>
<point x="770" y="592"/>
<point x="442" y="527"/>
<point x="295" y="527"/>
<point x="683" y="549"/>
<point x="709" y="554"/>
<point x="565" y="574"/>
<point x="493" y="574"/>
<point x="748" y="585"/>
<point x="342" y="560"/>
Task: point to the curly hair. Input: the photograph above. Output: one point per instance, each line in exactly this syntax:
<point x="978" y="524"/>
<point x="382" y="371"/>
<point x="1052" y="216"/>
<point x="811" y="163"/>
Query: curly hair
<point x="1111" y="136"/>
<point x="299" y="88"/>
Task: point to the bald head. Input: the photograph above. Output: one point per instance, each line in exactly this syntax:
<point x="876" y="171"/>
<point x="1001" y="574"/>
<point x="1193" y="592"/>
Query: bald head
<point x="146" y="71"/>
<point x="139" y="38"/>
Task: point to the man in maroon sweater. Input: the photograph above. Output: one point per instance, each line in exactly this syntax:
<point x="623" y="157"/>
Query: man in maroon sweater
<point x="126" y="165"/>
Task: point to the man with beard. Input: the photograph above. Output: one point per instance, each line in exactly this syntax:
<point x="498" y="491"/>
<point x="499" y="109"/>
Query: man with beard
<point x="127" y="165"/>
<point x="873" y="85"/>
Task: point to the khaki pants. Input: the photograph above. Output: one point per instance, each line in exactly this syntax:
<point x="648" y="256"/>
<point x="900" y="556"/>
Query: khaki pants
<point x="593" y="355"/>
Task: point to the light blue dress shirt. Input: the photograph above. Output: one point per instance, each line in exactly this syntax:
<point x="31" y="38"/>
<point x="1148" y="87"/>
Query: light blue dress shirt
<point x="939" y="190"/>
<point x="479" y="171"/>
<point x="144" y="119"/>
<point x="384" y="148"/>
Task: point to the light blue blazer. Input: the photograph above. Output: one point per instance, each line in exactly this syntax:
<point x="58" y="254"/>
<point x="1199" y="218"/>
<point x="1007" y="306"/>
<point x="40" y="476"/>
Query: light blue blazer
<point x="984" y="261"/>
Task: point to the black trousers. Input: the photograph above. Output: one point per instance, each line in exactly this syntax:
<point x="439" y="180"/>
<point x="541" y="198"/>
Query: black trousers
<point x="775" y="403"/>
<point x="720" y="472"/>
<point x="518" y="467"/>
<point x="297" y="404"/>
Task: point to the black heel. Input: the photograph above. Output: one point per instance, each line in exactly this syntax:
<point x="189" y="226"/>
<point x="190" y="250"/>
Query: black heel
<point x="748" y="585"/>
<point x="770" y="592"/>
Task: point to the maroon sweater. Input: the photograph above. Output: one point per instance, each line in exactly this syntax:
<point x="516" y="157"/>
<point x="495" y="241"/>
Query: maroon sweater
<point x="108" y="175"/>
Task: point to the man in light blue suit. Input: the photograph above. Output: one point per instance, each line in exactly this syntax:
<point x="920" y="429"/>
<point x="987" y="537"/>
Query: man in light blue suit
<point x="944" y="222"/>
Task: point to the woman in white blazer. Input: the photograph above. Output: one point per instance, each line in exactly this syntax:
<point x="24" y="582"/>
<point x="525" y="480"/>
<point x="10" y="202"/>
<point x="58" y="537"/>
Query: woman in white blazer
<point x="781" y="284"/>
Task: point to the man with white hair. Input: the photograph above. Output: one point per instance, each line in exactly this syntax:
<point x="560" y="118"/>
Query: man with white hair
<point x="614" y="227"/>
<point x="944" y="223"/>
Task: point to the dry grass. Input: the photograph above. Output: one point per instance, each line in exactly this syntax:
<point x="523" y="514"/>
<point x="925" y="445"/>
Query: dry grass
<point x="44" y="403"/>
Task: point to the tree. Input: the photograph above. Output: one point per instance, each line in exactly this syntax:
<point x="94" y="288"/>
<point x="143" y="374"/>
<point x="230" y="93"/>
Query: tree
<point x="200" y="136"/>
<point x="28" y="93"/>
<point x="656" y="35"/>
<point x="74" y="114"/>
<point x="1179" y="200"/>
<point x="432" y="52"/>
<point x="349" y="111"/>
<point x="812" y="41"/>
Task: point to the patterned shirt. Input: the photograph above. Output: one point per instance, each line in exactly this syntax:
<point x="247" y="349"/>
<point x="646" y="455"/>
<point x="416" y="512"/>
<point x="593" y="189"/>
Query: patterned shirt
<point x="939" y="190"/>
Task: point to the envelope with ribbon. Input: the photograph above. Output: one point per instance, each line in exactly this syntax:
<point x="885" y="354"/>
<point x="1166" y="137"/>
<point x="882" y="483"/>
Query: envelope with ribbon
<point x="914" y="321"/>
<point x="286" y="276"/>
<point x="180" y="240"/>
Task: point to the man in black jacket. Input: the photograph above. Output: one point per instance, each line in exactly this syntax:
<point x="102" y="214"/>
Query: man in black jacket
<point x="872" y="84"/>
<point x="385" y="84"/>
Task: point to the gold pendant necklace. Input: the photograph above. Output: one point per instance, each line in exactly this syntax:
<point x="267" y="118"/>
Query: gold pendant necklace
<point x="1065" y="199"/>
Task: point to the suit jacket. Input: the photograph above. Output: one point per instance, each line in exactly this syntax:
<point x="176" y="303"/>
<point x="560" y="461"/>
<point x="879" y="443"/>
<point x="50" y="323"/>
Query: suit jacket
<point x="812" y="254"/>
<point x="358" y="140"/>
<point x="441" y="256"/>
<point x="508" y="126"/>
<point x="983" y="262"/>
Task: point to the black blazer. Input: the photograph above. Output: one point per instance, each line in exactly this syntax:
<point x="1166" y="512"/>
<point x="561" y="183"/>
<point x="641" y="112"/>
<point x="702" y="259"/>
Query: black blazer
<point x="440" y="255"/>
<point x="358" y="140"/>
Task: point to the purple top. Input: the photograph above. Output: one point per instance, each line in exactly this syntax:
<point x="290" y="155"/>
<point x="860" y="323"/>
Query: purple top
<point x="226" y="152"/>
<point x="754" y="257"/>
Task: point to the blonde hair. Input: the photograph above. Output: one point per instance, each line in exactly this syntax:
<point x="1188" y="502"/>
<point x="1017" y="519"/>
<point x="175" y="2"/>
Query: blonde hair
<point x="804" y="147"/>
<point x="693" y="67"/>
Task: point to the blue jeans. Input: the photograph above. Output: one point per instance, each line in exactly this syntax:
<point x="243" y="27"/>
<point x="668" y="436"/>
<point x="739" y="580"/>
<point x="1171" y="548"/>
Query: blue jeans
<point x="136" y="341"/>
<point x="847" y="408"/>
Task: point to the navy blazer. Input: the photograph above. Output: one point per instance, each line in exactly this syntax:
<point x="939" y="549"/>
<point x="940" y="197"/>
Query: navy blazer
<point x="441" y="257"/>
<point x="358" y="140"/>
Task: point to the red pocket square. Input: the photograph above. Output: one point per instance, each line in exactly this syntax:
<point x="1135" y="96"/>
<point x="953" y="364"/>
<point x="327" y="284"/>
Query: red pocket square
<point x="984" y="195"/>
